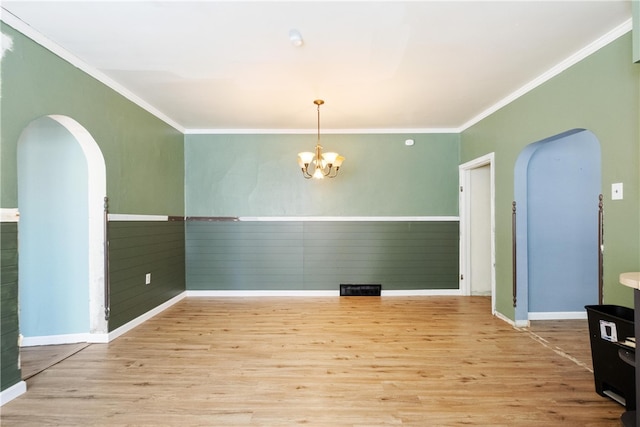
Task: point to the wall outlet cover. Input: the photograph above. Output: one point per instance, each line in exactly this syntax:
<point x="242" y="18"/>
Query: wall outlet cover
<point x="616" y="191"/>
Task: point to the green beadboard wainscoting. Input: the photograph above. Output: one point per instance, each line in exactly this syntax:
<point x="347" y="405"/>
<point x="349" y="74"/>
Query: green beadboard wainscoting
<point x="135" y="249"/>
<point x="321" y="255"/>
<point x="9" y="370"/>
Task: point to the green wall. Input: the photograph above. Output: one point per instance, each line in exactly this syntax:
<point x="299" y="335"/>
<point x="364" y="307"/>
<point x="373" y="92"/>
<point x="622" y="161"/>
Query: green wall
<point x="258" y="175"/>
<point x="601" y="94"/>
<point x="321" y="255"/>
<point x="143" y="155"/>
<point x="9" y="372"/>
<point x="135" y="249"/>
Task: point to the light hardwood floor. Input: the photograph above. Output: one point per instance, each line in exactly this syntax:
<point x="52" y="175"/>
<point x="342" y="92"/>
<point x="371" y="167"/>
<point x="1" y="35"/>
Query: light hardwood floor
<point x="34" y="360"/>
<point x="350" y="361"/>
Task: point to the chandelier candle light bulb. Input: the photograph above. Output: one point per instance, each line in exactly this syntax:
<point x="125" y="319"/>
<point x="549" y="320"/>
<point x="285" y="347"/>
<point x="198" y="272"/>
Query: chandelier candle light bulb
<point x="327" y="164"/>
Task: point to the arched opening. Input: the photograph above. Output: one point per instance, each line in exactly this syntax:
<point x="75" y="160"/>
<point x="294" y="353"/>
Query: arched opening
<point x="61" y="190"/>
<point x="557" y="184"/>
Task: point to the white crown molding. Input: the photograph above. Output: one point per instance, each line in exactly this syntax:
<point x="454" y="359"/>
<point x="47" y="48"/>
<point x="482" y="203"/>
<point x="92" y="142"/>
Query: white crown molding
<point x="314" y="131"/>
<point x="37" y="37"/>
<point x="601" y="42"/>
<point x="21" y="26"/>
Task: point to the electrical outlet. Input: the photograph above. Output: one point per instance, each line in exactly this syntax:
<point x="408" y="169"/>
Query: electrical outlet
<point x="147" y="279"/>
<point x="616" y="191"/>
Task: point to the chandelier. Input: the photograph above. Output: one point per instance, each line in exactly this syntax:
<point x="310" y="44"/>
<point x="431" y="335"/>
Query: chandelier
<point x="324" y="164"/>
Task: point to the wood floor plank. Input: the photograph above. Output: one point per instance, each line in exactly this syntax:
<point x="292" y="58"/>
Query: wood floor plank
<point x="335" y="361"/>
<point x="38" y="358"/>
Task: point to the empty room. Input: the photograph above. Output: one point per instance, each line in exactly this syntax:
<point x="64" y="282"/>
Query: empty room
<point x="232" y="213"/>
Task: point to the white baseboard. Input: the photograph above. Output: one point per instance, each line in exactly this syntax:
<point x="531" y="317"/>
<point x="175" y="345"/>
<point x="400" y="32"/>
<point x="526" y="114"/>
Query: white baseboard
<point x="55" y="339"/>
<point x="422" y="293"/>
<point x="12" y="392"/>
<point x="21" y="387"/>
<point x="144" y="317"/>
<point x="557" y="315"/>
<point x="514" y="323"/>
<point x="300" y="293"/>
<point x="259" y="293"/>
<point x="99" y="338"/>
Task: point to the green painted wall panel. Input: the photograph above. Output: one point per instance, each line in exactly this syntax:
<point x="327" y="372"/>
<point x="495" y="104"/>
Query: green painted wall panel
<point x="135" y="249"/>
<point x="144" y="156"/>
<point x="258" y="175"/>
<point x="244" y="255"/>
<point x="601" y="94"/>
<point x="321" y="255"/>
<point x="10" y="372"/>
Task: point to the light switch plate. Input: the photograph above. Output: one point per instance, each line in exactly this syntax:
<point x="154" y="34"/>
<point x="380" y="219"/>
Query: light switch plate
<point x="616" y="191"/>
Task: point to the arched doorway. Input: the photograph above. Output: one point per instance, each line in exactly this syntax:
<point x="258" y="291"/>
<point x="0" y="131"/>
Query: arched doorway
<point x="61" y="190"/>
<point x="557" y="184"/>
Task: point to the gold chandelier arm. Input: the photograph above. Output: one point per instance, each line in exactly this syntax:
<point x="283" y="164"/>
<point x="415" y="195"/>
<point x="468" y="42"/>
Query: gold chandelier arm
<point x="333" y="168"/>
<point x="305" y="171"/>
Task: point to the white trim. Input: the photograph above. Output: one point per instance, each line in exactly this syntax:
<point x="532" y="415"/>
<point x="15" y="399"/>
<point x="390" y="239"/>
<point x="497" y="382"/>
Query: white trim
<point x="578" y="56"/>
<point x="349" y="218"/>
<point x="9" y="215"/>
<point x="55" y="339"/>
<point x="12" y="392"/>
<point x="98" y="338"/>
<point x="135" y="217"/>
<point x="557" y="315"/>
<point x="465" y="228"/>
<point x="101" y="338"/>
<point x="144" y="317"/>
<point x="39" y="38"/>
<point x="303" y="293"/>
<point x="313" y="131"/>
<point x="421" y="293"/>
<point x="96" y="193"/>
<point x="515" y="324"/>
<point x="261" y="293"/>
<point x="15" y="22"/>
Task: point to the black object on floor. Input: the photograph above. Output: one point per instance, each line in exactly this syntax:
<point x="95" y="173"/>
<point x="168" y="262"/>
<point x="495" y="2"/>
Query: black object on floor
<point x="610" y="325"/>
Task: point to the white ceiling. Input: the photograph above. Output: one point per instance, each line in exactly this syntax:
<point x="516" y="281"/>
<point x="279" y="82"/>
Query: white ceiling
<point x="379" y="65"/>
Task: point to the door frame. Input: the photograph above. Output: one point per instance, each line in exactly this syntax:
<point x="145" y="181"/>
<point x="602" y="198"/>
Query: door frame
<point x="465" y="214"/>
